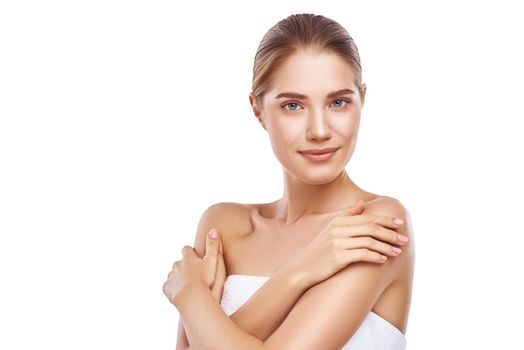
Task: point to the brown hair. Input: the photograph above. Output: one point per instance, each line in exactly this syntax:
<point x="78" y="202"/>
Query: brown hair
<point x="301" y="31"/>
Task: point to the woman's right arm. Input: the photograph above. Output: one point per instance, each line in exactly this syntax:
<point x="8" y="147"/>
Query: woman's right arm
<point x="283" y="289"/>
<point x="286" y="286"/>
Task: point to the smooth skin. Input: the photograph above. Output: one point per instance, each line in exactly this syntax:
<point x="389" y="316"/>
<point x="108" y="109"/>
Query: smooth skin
<point x="265" y="239"/>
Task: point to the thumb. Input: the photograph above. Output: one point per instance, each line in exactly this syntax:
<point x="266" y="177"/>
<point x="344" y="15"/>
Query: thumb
<point x="212" y="246"/>
<point x="356" y="209"/>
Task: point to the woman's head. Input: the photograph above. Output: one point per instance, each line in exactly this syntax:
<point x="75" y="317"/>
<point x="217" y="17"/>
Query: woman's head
<point x="312" y="56"/>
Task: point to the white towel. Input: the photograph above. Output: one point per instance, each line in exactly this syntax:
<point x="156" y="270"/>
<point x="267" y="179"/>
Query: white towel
<point x="375" y="333"/>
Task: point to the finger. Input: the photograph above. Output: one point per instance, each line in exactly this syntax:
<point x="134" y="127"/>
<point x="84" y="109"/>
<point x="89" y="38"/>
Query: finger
<point x="212" y="246"/>
<point x="371" y="244"/>
<point x="221" y="270"/>
<point x="386" y="221"/>
<point x="187" y="250"/>
<point x="220" y="245"/>
<point x="221" y="266"/>
<point x="356" y="209"/>
<point x="363" y="254"/>
<point x="167" y="291"/>
<point x="368" y="229"/>
<point x="220" y="279"/>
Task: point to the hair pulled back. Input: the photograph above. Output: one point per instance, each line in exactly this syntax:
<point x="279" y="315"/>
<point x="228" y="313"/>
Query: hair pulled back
<point x="301" y="31"/>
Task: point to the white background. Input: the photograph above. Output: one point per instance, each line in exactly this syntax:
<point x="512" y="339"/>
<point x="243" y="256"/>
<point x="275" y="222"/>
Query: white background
<point x="122" y="121"/>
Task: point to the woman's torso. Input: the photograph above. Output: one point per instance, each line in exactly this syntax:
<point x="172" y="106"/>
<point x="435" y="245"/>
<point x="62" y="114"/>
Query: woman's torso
<point x="257" y="246"/>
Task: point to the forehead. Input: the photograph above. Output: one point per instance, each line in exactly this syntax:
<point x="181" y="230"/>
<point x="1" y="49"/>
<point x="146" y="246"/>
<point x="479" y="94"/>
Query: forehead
<point x="312" y="74"/>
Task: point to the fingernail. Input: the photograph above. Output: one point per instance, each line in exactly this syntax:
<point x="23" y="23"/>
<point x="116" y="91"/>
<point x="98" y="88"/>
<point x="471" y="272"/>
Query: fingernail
<point x="398" y="221"/>
<point x="396" y="250"/>
<point x="213" y="233"/>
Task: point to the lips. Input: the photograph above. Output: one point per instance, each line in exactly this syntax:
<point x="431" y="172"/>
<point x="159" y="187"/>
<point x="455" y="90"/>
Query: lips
<point x="319" y="155"/>
<point x="319" y="150"/>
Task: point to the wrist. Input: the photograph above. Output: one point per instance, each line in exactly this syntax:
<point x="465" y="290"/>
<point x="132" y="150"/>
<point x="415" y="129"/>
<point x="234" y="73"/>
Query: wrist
<point x="187" y="293"/>
<point x="295" y="277"/>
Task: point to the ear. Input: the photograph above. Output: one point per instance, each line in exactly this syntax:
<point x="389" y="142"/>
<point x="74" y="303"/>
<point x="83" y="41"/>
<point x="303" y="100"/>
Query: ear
<point x="256" y="110"/>
<point x="362" y="90"/>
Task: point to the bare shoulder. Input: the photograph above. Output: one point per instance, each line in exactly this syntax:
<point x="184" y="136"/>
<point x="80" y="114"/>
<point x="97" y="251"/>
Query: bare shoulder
<point x="230" y="219"/>
<point x="385" y="205"/>
<point x="357" y="287"/>
<point x="227" y="218"/>
<point x="389" y="206"/>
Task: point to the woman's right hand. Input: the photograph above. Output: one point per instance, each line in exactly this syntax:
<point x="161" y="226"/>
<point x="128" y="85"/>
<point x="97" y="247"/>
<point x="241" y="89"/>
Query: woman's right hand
<point x="349" y="237"/>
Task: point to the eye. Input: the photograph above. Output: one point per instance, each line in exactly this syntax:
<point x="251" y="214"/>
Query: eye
<point x="294" y="104"/>
<point x="342" y="99"/>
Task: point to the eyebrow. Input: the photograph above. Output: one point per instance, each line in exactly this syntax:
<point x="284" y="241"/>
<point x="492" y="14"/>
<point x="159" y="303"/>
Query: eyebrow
<point x="304" y="97"/>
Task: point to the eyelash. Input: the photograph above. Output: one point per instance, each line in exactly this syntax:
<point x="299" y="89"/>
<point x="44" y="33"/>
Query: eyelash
<point x="348" y="101"/>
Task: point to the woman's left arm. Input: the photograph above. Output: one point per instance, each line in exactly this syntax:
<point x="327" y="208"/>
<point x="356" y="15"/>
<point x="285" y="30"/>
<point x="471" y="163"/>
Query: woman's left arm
<point x="356" y="288"/>
<point x="188" y="288"/>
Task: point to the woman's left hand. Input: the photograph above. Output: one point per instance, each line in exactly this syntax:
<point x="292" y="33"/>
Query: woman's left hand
<point x="193" y="271"/>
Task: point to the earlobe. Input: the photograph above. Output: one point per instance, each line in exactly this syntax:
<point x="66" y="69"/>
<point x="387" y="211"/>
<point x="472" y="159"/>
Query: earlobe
<point x="261" y="121"/>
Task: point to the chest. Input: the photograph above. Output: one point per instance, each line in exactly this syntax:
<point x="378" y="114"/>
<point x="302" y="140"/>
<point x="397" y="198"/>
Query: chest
<point x="267" y="248"/>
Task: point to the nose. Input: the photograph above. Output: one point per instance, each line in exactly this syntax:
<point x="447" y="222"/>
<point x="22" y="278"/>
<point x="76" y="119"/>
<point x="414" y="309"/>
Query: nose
<point x="318" y="127"/>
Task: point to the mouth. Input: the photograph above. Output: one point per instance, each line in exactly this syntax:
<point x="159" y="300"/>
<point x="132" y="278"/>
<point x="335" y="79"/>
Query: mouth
<point x="319" y="150"/>
<point x="318" y="155"/>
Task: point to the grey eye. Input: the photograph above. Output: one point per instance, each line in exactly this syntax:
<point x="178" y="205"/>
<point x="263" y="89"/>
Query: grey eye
<point x="292" y="103"/>
<point x="342" y="100"/>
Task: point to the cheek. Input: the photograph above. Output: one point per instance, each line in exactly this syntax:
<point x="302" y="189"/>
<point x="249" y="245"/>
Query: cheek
<point x="346" y="127"/>
<point x="285" y="135"/>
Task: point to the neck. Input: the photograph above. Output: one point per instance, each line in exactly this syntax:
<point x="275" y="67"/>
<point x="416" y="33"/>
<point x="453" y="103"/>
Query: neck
<point x="302" y="199"/>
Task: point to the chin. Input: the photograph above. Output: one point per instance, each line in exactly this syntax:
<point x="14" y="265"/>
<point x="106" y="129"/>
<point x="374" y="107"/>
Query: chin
<point x="319" y="176"/>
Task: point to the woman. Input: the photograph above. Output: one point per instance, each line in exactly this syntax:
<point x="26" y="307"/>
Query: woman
<point x="306" y="271"/>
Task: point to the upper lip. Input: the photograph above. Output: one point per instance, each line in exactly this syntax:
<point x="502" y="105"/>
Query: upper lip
<point x="319" y="150"/>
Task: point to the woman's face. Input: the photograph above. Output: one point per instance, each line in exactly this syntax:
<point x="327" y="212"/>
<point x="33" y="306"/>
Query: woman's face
<point x="307" y="106"/>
